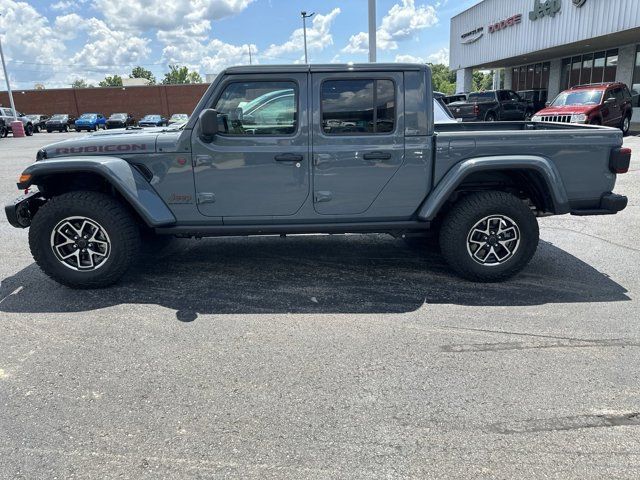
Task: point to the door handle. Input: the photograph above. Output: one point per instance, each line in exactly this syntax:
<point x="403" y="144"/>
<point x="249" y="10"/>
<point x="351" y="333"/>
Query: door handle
<point x="377" y="156"/>
<point x="289" y="157"/>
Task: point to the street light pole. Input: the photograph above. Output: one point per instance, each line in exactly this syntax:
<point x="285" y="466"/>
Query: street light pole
<point x="6" y="77"/>
<point x="304" y="28"/>
<point x="372" y="31"/>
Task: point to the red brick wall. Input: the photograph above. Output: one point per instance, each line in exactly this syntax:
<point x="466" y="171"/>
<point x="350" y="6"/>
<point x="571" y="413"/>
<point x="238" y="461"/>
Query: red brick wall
<point x="139" y="101"/>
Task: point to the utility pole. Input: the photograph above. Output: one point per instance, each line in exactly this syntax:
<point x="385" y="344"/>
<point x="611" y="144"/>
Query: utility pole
<point x="6" y="77"/>
<point x="304" y="28"/>
<point x="372" y="31"/>
<point x="250" y="62"/>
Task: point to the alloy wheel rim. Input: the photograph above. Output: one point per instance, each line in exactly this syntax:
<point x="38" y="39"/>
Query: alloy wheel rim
<point x="80" y="243"/>
<point x="493" y="241"/>
<point x="627" y="124"/>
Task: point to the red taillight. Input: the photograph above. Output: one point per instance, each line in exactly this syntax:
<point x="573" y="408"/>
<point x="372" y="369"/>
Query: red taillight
<point x="476" y="110"/>
<point x="620" y="160"/>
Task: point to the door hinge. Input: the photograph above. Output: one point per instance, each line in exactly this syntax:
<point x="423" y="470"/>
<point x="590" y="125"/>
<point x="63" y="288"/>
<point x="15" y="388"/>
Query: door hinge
<point x="206" y="198"/>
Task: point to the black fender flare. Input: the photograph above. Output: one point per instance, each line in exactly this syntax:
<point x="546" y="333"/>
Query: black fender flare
<point x="119" y="173"/>
<point x="457" y="174"/>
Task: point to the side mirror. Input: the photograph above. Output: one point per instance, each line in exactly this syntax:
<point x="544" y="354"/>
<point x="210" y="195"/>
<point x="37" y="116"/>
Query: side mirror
<point x="208" y="124"/>
<point x="547" y="104"/>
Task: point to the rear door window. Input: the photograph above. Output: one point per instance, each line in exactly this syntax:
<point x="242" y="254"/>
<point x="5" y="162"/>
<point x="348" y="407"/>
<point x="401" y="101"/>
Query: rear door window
<point x="358" y="107"/>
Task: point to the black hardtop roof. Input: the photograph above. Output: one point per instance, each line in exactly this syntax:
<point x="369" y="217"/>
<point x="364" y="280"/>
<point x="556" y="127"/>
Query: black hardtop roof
<point x="330" y="67"/>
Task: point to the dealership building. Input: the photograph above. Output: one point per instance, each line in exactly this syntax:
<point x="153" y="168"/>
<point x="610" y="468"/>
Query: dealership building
<point x="549" y="44"/>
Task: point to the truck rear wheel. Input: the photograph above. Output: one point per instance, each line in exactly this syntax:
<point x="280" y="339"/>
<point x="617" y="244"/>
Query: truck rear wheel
<point x="489" y="236"/>
<point x="84" y="239"/>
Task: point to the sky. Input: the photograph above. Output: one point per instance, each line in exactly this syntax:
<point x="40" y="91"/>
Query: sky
<point x="54" y="42"/>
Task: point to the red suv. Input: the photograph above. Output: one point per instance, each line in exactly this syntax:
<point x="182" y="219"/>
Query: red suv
<point x="597" y="104"/>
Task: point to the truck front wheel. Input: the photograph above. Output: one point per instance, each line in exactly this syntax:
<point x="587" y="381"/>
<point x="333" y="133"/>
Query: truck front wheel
<point x="489" y="236"/>
<point x="84" y="239"/>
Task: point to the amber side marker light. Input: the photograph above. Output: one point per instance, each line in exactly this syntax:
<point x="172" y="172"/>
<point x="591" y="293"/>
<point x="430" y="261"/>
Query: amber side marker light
<point x="24" y="178"/>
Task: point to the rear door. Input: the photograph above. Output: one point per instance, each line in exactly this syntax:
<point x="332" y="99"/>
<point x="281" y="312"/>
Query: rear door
<point x="259" y="167"/>
<point x="358" y="138"/>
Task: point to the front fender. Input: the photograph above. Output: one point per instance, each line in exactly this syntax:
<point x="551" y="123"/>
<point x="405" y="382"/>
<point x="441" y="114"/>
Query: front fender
<point x="454" y="178"/>
<point x="125" y="178"/>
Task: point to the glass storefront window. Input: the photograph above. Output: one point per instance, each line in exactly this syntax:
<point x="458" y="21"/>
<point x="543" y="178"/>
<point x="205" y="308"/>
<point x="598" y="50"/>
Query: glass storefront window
<point x="590" y="68"/>
<point x="598" y="67"/>
<point x="537" y="77"/>
<point x="635" y="84"/>
<point x="587" y="66"/>
<point x="612" y="66"/>
<point x="576" y="63"/>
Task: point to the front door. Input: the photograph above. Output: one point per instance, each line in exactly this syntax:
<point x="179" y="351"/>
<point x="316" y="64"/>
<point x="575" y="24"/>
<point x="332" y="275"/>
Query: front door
<point x="610" y="110"/>
<point x="259" y="165"/>
<point x="358" y="138"/>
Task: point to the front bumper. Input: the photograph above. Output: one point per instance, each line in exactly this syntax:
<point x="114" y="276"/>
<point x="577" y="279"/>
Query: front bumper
<point x="116" y="125"/>
<point x="610" y="204"/>
<point x="20" y="211"/>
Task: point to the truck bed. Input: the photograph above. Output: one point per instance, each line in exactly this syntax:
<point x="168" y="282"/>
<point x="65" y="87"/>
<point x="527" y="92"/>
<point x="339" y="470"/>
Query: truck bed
<point x="580" y="152"/>
<point x="479" y="127"/>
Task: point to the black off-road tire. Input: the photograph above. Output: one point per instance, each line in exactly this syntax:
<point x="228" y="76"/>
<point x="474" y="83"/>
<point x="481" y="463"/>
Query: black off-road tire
<point x="626" y="125"/>
<point x="28" y="130"/>
<point x="113" y="216"/>
<point x="491" y="117"/>
<point x="470" y="210"/>
<point x="49" y="130"/>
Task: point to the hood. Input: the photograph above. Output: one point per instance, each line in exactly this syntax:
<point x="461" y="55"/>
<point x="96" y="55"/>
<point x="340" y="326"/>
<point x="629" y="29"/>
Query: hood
<point x="568" y="110"/>
<point x="115" y="144"/>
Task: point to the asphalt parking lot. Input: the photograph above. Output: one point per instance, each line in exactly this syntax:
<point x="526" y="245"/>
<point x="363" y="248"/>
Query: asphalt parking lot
<point x="325" y="357"/>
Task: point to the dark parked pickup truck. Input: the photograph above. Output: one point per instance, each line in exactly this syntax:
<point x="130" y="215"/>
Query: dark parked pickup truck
<point x="274" y="150"/>
<point x="491" y="106"/>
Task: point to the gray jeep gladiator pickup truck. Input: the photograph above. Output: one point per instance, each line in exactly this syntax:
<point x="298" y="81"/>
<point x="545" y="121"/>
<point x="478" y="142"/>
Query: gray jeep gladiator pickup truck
<point x="273" y="150"/>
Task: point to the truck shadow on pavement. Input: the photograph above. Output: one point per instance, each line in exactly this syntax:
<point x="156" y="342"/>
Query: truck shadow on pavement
<point x="310" y="274"/>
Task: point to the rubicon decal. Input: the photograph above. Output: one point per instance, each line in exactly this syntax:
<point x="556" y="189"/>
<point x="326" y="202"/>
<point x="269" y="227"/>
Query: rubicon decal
<point x="102" y="148"/>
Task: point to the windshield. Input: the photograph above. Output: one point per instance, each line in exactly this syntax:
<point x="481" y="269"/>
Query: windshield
<point x="58" y="116"/>
<point x="88" y="116"/>
<point x="33" y="117"/>
<point x="119" y="116"/>
<point x="481" y="97"/>
<point x="179" y="116"/>
<point x="151" y="118"/>
<point x="579" y="97"/>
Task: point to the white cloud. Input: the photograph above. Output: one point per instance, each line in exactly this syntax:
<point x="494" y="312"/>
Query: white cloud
<point x="28" y="56"/>
<point x="105" y="47"/>
<point x="401" y="22"/>
<point x="409" y="59"/>
<point x="318" y="37"/>
<point x="62" y="5"/>
<point x="144" y="15"/>
<point x="441" y="56"/>
<point x="211" y="57"/>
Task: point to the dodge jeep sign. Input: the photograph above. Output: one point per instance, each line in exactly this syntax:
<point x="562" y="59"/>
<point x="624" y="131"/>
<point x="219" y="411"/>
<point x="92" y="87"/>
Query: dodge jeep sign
<point x="545" y="9"/>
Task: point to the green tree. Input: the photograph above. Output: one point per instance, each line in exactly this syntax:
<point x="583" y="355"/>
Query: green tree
<point x="139" y="72"/>
<point x="482" y="81"/>
<point x="444" y="80"/>
<point x="114" y="81"/>
<point x="180" y="75"/>
<point x="81" y="83"/>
